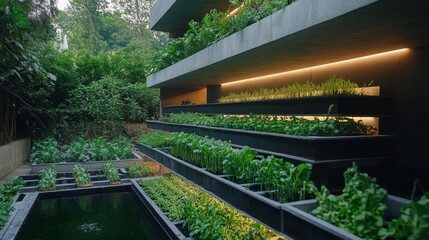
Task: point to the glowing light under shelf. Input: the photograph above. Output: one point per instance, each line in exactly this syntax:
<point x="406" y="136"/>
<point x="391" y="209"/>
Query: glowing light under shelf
<point x="383" y="54"/>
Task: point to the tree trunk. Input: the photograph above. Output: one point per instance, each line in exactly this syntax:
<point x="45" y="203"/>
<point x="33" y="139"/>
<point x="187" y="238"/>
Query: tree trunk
<point x="7" y="117"/>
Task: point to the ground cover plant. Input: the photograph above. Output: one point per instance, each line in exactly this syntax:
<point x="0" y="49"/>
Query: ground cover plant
<point x="327" y="126"/>
<point x="284" y="181"/>
<point x="48" y="179"/>
<point x="360" y="209"/>
<point x="213" y="27"/>
<point x="7" y="191"/>
<point x="330" y="87"/>
<point x="204" y="216"/>
<point x="135" y="170"/>
<point x="81" y="150"/>
<point x="82" y="176"/>
<point x="111" y="172"/>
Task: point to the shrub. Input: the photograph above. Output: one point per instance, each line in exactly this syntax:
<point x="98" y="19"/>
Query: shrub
<point x="45" y="151"/>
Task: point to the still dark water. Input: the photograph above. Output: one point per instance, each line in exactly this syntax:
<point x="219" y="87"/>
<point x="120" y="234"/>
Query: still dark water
<point x="110" y="216"/>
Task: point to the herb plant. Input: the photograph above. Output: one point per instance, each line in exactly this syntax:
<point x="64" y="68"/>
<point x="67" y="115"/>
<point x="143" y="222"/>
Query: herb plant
<point x="329" y="126"/>
<point x="48" y="179"/>
<point x="330" y="87"/>
<point x="413" y="224"/>
<point x="135" y="170"/>
<point x="7" y="191"/>
<point x="81" y="175"/>
<point x="205" y="217"/>
<point x="111" y="172"/>
<point x="359" y="209"/>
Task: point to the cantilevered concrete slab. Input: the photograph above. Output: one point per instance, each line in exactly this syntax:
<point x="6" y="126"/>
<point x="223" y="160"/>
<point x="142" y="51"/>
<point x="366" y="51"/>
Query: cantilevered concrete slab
<point x="304" y="34"/>
<point x="174" y="15"/>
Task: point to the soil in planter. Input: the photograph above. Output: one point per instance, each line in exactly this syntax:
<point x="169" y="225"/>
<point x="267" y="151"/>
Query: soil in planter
<point x="113" y="216"/>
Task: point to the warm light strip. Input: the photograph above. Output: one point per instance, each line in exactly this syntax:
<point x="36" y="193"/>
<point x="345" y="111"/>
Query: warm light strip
<point x="319" y="66"/>
<point x="234" y="11"/>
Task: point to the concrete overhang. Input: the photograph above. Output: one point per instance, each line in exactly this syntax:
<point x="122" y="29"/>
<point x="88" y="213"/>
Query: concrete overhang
<point x="174" y="15"/>
<point x="306" y="33"/>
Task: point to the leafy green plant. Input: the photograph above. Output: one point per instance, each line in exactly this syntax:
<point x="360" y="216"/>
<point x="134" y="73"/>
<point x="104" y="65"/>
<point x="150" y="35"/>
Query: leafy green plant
<point x="359" y="209"/>
<point x="156" y="139"/>
<point x="213" y="27"/>
<point x="45" y="151"/>
<point x="205" y="217"/>
<point x="48" y="179"/>
<point x="286" y="181"/>
<point x="7" y="191"/>
<point x="110" y="171"/>
<point x="330" y="87"/>
<point x="135" y="170"/>
<point x="81" y="175"/>
<point x="329" y="126"/>
<point x="82" y="150"/>
<point x="413" y="224"/>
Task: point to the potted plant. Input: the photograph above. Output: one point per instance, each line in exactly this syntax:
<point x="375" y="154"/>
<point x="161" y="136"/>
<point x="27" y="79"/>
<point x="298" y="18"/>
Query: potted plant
<point x="135" y="171"/>
<point x="111" y="173"/>
<point x="81" y="176"/>
<point x="48" y="179"/>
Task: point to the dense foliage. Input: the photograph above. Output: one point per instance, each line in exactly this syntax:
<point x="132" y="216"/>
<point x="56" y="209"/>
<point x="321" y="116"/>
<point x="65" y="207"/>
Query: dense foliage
<point x="330" y="87"/>
<point x="81" y="176"/>
<point x="7" y="191"/>
<point x="282" y="180"/>
<point x="48" y="179"/>
<point x="329" y="126"/>
<point x="81" y="150"/>
<point x="135" y="170"/>
<point x="213" y="27"/>
<point x="205" y="217"/>
<point x="24" y="83"/>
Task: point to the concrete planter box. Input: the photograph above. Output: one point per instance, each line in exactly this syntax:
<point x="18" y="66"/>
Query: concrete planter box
<point x="311" y="106"/>
<point x="299" y="223"/>
<point x="92" y="165"/>
<point x="261" y="208"/>
<point x="309" y="147"/>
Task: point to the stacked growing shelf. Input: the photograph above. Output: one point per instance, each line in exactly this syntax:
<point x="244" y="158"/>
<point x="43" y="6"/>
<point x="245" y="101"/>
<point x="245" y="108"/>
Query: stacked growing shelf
<point x="308" y="40"/>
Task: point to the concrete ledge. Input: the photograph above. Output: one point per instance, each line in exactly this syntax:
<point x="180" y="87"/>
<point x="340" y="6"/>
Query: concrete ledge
<point x="12" y="155"/>
<point x="174" y="15"/>
<point x="304" y="34"/>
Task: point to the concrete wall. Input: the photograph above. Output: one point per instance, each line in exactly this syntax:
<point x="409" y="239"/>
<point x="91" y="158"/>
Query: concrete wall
<point x="13" y="155"/>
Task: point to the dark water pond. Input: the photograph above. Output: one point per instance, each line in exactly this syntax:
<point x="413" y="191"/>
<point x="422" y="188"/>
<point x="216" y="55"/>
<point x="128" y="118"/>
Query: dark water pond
<point x="109" y="216"/>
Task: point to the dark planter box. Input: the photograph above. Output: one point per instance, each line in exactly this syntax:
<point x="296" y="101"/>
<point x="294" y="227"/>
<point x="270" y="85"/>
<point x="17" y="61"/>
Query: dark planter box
<point x="261" y="208"/>
<point x="344" y="106"/>
<point x="312" y="148"/>
<point x="299" y="223"/>
<point x="168" y="226"/>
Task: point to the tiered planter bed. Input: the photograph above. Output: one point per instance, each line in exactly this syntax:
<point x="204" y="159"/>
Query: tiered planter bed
<point x="292" y="218"/>
<point x="91" y="165"/>
<point x="313" y="106"/>
<point x="312" y="148"/>
<point x="265" y="210"/>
